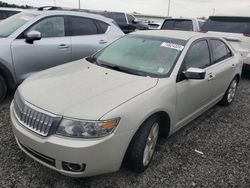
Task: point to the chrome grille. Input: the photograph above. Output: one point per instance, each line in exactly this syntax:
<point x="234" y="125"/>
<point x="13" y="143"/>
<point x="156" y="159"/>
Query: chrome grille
<point x="34" y="119"/>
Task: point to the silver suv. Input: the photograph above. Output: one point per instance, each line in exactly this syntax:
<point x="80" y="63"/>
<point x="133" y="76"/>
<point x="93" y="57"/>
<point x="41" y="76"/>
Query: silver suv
<point x="7" y="12"/>
<point x="37" y="40"/>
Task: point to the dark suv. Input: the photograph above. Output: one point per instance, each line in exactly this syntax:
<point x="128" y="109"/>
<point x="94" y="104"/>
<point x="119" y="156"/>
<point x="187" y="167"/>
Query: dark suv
<point x="127" y="22"/>
<point x="7" y="12"/>
<point x="236" y="30"/>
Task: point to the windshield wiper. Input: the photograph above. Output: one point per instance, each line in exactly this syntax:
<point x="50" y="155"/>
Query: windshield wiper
<point x="121" y="69"/>
<point x="93" y="59"/>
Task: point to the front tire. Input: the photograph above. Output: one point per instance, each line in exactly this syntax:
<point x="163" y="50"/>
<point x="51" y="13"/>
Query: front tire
<point x="3" y="88"/>
<point x="142" y="146"/>
<point x="230" y="93"/>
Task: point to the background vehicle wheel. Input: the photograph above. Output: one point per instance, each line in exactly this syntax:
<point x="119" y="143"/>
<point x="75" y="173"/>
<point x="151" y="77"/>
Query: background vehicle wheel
<point x="3" y="89"/>
<point x="230" y="93"/>
<point x="142" y="146"/>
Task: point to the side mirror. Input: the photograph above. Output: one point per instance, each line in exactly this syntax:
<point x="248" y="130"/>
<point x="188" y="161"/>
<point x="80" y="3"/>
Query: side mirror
<point x="195" y="73"/>
<point x="32" y="36"/>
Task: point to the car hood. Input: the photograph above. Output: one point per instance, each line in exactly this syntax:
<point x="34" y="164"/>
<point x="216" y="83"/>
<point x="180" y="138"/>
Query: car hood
<point x="82" y="90"/>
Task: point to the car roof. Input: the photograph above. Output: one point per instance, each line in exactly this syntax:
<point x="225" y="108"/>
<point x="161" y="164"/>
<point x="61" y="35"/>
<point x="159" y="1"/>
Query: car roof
<point x="183" y="35"/>
<point x="236" y="16"/>
<point x="180" y="19"/>
<point x="70" y="13"/>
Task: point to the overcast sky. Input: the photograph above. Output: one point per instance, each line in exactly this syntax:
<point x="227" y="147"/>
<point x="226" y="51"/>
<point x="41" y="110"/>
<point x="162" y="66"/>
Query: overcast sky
<point x="186" y="8"/>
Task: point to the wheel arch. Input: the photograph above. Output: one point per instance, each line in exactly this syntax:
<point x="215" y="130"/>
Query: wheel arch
<point x="237" y="76"/>
<point x="7" y="76"/>
<point x="165" y="125"/>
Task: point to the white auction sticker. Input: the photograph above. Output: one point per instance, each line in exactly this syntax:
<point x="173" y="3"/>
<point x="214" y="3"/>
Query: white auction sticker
<point x="172" y="45"/>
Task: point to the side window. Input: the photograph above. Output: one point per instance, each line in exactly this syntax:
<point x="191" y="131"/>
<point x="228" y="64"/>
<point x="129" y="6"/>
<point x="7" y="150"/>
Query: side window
<point x="3" y="14"/>
<point x="220" y="51"/>
<point x="198" y="55"/>
<point x="119" y="17"/>
<point x="186" y="25"/>
<point x="108" y="15"/>
<point x="50" y="27"/>
<point x="130" y="18"/>
<point x="201" y="23"/>
<point x="82" y="26"/>
<point x="168" y="24"/>
<point x="103" y="27"/>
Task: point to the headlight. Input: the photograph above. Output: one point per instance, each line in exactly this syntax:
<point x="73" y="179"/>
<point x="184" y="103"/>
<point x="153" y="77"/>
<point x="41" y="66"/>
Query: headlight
<point x="86" y="129"/>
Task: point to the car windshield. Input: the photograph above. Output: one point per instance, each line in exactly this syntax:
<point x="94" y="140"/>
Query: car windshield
<point x="141" y="55"/>
<point x="227" y="24"/>
<point x="10" y="25"/>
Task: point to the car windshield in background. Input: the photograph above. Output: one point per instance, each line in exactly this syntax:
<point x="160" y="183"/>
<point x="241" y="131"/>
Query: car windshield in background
<point x="227" y="24"/>
<point x="142" y="55"/>
<point x="185" y="25"/>
<point x="10" y="25"/>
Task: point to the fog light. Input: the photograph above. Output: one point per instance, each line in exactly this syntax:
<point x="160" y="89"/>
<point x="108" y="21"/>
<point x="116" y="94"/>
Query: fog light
<point x="73" y="167"/>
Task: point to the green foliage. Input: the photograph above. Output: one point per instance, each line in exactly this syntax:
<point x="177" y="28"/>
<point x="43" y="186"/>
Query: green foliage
<point x="3" y="4"/>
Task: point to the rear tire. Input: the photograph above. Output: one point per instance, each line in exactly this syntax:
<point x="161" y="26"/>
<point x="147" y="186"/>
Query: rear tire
<point x="230" y="93"/>
<point x="142" y="146"/>
<point x="3" y="88"/>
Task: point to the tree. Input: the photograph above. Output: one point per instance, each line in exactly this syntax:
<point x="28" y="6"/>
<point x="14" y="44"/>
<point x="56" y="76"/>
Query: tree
<point x="3" y="4"/>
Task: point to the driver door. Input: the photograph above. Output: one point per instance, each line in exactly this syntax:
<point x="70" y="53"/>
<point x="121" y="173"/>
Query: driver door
<point x="193" y="95"/>
<point x="53" y="49"/>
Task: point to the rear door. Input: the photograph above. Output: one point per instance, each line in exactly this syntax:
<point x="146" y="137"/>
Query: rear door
<point x="222" y="70"/>
<point x="87" y="36"/>
<point x="53" y="49"/>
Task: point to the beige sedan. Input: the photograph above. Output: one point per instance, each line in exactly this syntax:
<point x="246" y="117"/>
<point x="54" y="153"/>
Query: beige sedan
<point x="91" y="116"/>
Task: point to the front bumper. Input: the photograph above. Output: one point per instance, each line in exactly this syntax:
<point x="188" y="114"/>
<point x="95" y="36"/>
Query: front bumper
<point x="98" y="156"/>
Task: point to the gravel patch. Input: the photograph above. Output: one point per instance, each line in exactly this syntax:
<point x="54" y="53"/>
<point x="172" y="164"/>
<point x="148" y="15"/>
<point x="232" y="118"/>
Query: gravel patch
<point x="212" y="151"/>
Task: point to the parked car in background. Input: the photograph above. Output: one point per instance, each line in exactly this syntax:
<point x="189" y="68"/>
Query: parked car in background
<point x="154" y="25"/>
<point x="127" y="22"/>
<point x="7" y="12"/>
<point x="90" y="116"/>
<point x="235" y="29"/>
<point x="184" y="24"/>
<point x="37" y="40"/>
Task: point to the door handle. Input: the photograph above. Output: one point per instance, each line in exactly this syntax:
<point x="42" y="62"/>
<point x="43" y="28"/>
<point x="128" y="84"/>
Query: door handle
<point x="103" y="42"/>
<point x="63" y="46"/>
<point x="211" y="76"/>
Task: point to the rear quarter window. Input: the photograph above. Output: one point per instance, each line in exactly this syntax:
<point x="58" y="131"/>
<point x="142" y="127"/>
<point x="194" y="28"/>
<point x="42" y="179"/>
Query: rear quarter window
<point x="103" y="27"/>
